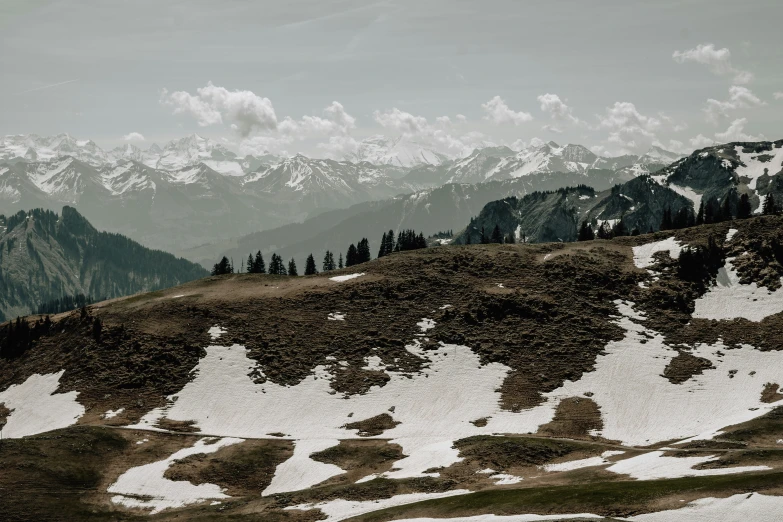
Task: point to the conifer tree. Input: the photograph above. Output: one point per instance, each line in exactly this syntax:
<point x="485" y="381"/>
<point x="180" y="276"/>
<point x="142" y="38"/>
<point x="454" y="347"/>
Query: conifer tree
<point x="483" y="237"/>
<point x="666" y="222"/>
<point x="222" y="267"/>
<point x="390" y="242"/>
<point x="585" y="232"/>
<point x="496" y="237"/>
<point x="340" y="262"/>
<point x="700" y="214"/>
<point x="743" y="207"/>
<point x="328" y="261"/>
<point x="250" y="264"/>
<point x="350" y="256"/>
<point x="363" y="251"/>
<point x="292" y="268"/>
<point x="709" y="213"/>
<point x="769" y="208"/>
<point x="619" y="229"/>
<point x="310" y="266"/>
<point x="259" y="265"/>
<point x="726" y="209"/>
<point x="510" y="239"/>
<point x="382" y="249"/>
<point x="467" y="237"/>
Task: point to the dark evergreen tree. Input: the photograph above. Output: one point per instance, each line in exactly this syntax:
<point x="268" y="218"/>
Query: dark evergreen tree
<point x="350" y="256"/>
<point x="700" y="214"/>
<point x="585" y="232"/>
<point x="604" y="232"/>
<point x="222" y="267"/>
<point x="382" y="249"/>
<point x="483" y="239"/>
<point x="666" y="221"/>
<point x="725" y="210"/>
<point x="709" y="213"/>
<point x="259" y="267"/>
<point x="619" y="229"/>
<point x="497" y="236"/>
<point x="340" y="262"/>
<point x="292" y="268"/>
<point x="467" y="237"/>
<point x="510" y="239"/>
<point x="683" y="218"/>
<point x="328" y="262"/>
<point x="310" y="268"/>
<point x="250" y="264"/>
<point x="769" y="208"/>
<point x="276" y="266"/>
<point x="363" y="251"/>
<point x="743" y="207"/>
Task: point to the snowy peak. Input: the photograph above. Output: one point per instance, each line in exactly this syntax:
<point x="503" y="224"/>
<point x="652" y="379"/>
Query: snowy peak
<point x="399" y="152"/>
<point x="658" y="156"/>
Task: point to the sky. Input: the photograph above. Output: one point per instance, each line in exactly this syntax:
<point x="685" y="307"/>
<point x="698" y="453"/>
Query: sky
<point x="318" y="76"/>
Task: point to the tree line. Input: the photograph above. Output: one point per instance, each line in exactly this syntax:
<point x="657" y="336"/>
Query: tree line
<point x="356" y="254"/>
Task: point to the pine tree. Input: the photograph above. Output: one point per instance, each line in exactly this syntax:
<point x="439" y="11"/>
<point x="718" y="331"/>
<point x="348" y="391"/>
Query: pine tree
<point x="258" y="265"/>
<point x="496" y="237"/>
<point x="483" y="237"/>
<point x="510" y="239"/>
<point x="276" y="266"/>
<point x="585" y="232"/>
<point x="619" y="229"/>
<point x="390" y="242"/>
<point x="709" y="213"/>
<point x="769" y="208"/>
<point x="310" y="266"/>
<point x="700" y="214"/>
<point x="726" y="209"/>
<point x="363" y="251"/>
<point x="382" y="249"/>
<point x="350" y="256"/>
<point x="250" y="265"/>
<point x="340" y="262"/>
<point x="666" y="222"/>
<point x="292" y="268"/>
<point x="222" y="267"/>
<point x="743" y="207"/>
<point x="467" y="237"/>
<point x="328" y="262"/>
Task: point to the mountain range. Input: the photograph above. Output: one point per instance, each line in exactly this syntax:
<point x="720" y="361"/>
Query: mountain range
<point x="194" y="191"/>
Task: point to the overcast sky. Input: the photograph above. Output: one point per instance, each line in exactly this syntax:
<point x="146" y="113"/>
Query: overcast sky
<point x="613" y="75"/>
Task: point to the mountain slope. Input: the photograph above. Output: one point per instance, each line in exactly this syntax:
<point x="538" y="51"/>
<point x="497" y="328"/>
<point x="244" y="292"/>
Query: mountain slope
<point x="620" y="377"/>
<point x="44" y="257"/>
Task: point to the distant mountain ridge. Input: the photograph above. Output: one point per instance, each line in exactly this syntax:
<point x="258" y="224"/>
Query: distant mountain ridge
<point x="46" y="256"/>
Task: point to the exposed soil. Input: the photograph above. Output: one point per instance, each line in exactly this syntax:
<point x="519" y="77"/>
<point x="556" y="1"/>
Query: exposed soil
<point x="243" y="469"/>
<point x="684" y="366"/>
<point x="373" y="426"/>
<point x="769" y="394"/>
<point x="575" y="418"/>
<point x="360" y="458"/>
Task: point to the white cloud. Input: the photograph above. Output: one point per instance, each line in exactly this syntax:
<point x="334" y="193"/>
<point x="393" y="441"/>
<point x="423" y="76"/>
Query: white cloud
<point x="259" y="145"/>
<point x="211" y="105"/>
<point x="736" y="132"/>
<point x="701" y="141"/>
<point x="335" y="121"/>
<point x="628" y="128"/>
<point x="443" y="120"/>
<point x="401" y="121"/>
<point x="739" y="98"/>
<point x="674" y="146"/>
<point x="521" y="144"/>
<point x="133" y="136"/>
<point x="497" y="111"/>
<point x="339" y="146"/>
<point x="717" y="60"/>
<point x="552" y="128"/>
<point x="557" y="109"/>
<point x="461" y="117"/>
<point x="778" y="95"/>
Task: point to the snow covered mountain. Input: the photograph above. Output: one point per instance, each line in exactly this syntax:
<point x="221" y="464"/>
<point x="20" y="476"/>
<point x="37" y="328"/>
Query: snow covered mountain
<point x="175" y="155"/>
<point x="398" y="152"/>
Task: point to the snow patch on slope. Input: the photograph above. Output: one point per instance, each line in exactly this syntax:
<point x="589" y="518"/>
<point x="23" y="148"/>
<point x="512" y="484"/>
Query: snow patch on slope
<point x="36" y="407"/>
<point x="643" y="254"/>
<point x="655" y="465"/>
<point x="743" y="507"/>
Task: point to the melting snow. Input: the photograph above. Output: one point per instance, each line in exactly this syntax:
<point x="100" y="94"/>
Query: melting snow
<point x="654" y="465"/>
<point x="504" y="518"/>
<point x="340" y="509"/>
<point x="110" y="414"/>
<point x="216" y="332"/>
<point x="582" y="463"/>
<point x="426" y="324"/>
<point x="300" y="471"/>
<point x="688" y="193"/>
<point x="754" y="168"/>
<point x="730" y="234"/>
<point x="729" y="299"/>
<point x="505" y="479"/>
<point x="340" y="279"/>
<point x="743" y="507"/>
<point x="36" y="408"/>
<point x="336" y="316"/>
<point x="643" y="254"/>
<point x="145" y="486"/>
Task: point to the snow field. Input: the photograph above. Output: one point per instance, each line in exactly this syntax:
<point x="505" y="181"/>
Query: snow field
<point x="729" y="299"/>
<point x="300" y="471"/>
<point x="582" y="463"/>
<point x="730" y="234"/>
<point x="36" y="407"/>
<point x="342" y="278"/>
<point x="654" y="465"/>
<point x="689" y="193"/>
<point x="215" y="332"/>
<point x="505" y="518"/>
<point x="744" y="507"/>
<point x="754" y="168"/>
<point x="336" y="510"/>
<point x="110" y="414"/>
<point x="643" y="254"/>
<point x="145" y="486"/>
